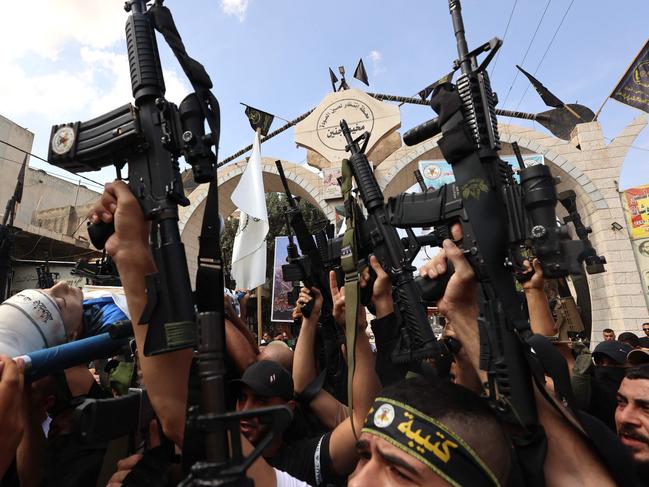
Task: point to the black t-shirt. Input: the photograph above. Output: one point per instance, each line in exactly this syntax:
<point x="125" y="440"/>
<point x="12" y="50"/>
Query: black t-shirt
<point x="307" y="460"/>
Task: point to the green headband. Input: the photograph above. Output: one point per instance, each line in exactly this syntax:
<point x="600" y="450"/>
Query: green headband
<point x="429" y="441"/>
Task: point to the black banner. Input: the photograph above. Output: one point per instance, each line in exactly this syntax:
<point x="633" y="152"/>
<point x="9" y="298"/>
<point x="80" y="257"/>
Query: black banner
<point x="259" y="119"/>
<point x="633" y="88"/>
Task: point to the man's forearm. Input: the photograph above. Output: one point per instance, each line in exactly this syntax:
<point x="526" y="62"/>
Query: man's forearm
<point x="304" y="370"/>
<point x="541" y="320"/>
<point x="165" y="376"/>
<point x="242" y="353"/>
<point x="366" y="383"/>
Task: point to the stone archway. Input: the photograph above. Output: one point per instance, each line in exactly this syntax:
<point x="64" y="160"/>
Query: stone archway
<point x="590" y="167"/>
<point x="302" y="182"/>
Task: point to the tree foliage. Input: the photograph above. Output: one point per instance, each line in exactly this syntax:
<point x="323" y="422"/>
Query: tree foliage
<point x="276" y="205"/>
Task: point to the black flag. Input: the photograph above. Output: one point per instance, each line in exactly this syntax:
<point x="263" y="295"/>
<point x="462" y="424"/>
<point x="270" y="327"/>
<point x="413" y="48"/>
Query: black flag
<point x="360" y="74"/>
<point x="633" y="88"/>
<point x="548" y="98"/>
<point x="333" y="78"/>
<point x="425" y="93"/>
<point x="258" y="119"/>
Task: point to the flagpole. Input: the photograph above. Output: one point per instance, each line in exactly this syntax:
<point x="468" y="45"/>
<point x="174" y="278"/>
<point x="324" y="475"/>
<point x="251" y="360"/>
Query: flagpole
<point x="260" y="327"/>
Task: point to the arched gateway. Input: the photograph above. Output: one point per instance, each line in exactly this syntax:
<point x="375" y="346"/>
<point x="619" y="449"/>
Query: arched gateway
<point x="585" y="164"/>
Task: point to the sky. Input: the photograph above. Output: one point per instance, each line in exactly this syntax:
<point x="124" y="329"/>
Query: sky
<point x="65" y="60"/>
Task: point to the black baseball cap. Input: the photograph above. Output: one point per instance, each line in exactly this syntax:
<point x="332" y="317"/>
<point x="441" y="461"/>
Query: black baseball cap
<point x="613" y="349"/>
<point x="267" y="378"/>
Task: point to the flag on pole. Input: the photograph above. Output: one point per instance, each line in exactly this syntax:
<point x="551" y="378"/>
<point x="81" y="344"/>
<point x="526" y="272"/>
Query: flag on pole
<point x="249" y="249"/>
<point x="360" y="74"/>
<point x="259" y="119"/>
<point x="333" y="79"/>
<point x="548" y="98"/>
<point x="633" y="88"/>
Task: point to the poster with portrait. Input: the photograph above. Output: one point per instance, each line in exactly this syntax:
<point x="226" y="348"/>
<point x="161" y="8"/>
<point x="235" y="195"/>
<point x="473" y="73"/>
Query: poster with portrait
<point x="439" y="172"/>
<point x="641" y="251"/>
<point x="636" y="206"/>
<point x="330" y="186"/>
<point x="280" y="309"/>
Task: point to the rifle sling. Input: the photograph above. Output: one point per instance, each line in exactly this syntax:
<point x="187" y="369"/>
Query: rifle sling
<point x="348" y="260"/>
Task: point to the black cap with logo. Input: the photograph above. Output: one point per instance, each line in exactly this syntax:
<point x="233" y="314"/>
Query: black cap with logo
<point x="267" y="378"/>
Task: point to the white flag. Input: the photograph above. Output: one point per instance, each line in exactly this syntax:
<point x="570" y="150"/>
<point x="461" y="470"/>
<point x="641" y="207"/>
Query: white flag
<point x="249" y="250"/>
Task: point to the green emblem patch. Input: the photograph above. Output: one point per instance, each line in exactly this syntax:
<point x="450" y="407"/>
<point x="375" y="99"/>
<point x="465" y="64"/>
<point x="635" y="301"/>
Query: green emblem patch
<point x="473" y="188"/>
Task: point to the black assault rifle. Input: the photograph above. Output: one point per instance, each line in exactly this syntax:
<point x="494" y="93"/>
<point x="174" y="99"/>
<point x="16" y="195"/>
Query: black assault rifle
<point x="499" y="215"/>
<point x="150" y="136"/>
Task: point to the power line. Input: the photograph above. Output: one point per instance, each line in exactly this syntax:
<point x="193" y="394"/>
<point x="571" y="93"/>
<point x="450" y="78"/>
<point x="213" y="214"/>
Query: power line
<point x="66" y="178"/>
<point x="529" y="46"/>
<point x="547" y="49"/>
<point x="45" y="160"/>
<point x="511" y="14"/>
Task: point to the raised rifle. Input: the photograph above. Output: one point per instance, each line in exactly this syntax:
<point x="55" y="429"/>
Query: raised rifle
<point x="376" y="234"/>
<point x="150" y="136"/>
<point x="297" y="270"/>
<point x="307" y="245"/>
<point x="499" y="215"/>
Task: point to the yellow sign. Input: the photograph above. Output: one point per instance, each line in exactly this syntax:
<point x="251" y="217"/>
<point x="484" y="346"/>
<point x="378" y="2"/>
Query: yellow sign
<point x="636" y="206"/>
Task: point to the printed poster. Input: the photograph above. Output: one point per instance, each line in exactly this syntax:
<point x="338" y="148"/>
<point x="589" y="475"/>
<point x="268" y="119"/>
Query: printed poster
<point x="641" y="251"/>
<point x="281" y="309"/>
<point x="636" y="205"/>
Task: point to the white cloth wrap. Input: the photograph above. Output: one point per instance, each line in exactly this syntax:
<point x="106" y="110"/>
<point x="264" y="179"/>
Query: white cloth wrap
<point x="30" y="321"/>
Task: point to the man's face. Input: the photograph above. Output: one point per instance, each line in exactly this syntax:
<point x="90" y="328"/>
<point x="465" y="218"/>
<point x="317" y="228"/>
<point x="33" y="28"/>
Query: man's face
<point x="383" y="464"/>
<point x="645" y="328"/>
<point x="609" y="336"/>
<point x="247" y="399"/>
<point x="632" y="418"/>
<point x="69" y="299"/>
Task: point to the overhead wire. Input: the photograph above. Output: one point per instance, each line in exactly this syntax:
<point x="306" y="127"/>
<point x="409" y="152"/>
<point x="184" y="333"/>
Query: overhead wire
<point x="547" y="49"/>
<point x="511" y="14"/>
<point x="45" y="160"/>
<point x="529" y="46"/>
<point x="61" y="176"/>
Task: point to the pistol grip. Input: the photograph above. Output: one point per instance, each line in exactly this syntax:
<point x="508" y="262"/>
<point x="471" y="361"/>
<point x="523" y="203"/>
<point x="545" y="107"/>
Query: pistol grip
<point x="99" y="233"/>
<point x="307" y="308"/>
<point x="433" y="289"/>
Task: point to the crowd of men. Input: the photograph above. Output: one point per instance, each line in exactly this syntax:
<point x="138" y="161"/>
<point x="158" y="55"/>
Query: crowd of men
<point x="393" y="429"/>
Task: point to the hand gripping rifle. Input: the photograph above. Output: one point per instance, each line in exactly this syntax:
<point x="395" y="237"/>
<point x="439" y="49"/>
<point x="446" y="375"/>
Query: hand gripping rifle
<point x="308" y="247"/>
<point x="312" y="269"/>
<point x="498" y="216"/>
<point x="417" y="340"/>
<point x="150" y="137"/>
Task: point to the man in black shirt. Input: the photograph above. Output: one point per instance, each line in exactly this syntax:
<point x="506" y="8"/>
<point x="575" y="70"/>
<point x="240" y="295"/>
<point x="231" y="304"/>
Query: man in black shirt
<point x="265" y="384"/>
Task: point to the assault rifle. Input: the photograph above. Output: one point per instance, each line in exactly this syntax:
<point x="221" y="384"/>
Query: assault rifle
<point x="308" y="247"/>
<point x="377" y="235"/>
<point x="499" y="216"/>
<point x="312" y="269"/>
<point x="150" y="136"/>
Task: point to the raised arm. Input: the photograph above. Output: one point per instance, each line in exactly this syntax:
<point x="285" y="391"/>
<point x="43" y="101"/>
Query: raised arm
<point x="570" y="460"/>
<point x="166" y="375"/>
<point x="541" y="320"/>
<point x="366" y="384"/>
